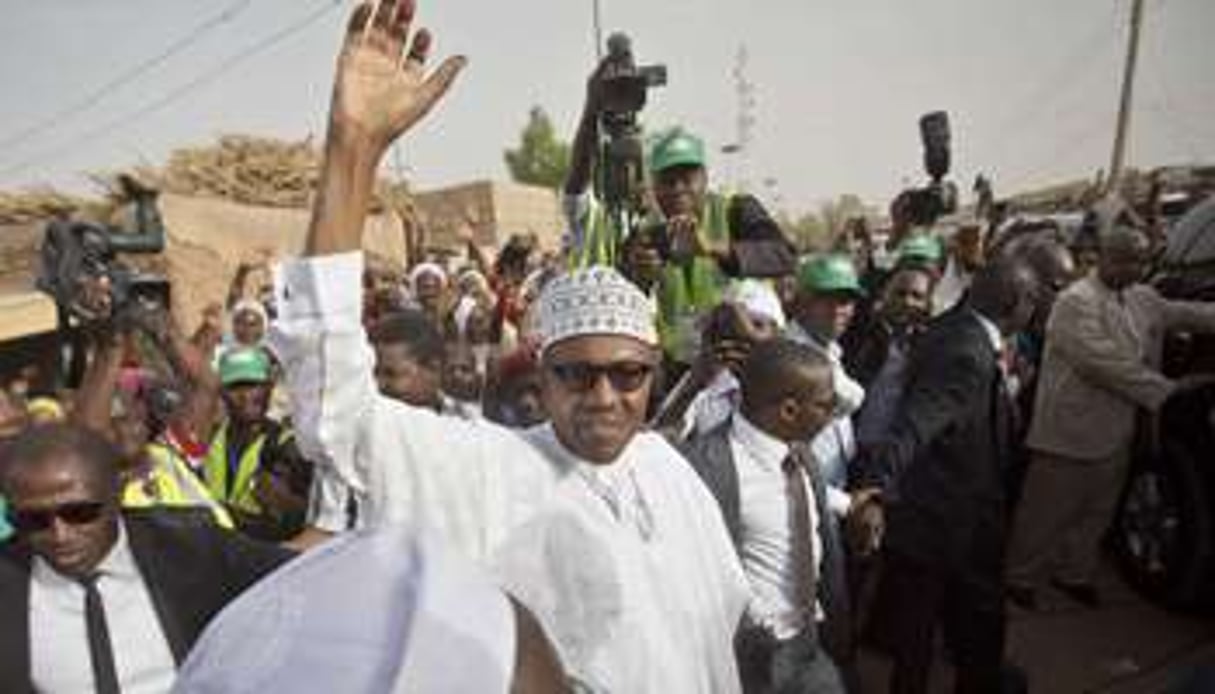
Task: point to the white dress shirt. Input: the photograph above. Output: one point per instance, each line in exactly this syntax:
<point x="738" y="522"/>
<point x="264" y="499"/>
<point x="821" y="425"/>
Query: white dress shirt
<point x="714" y="405"/>
<point x="59" y="642"/>
<point x="767" y="540"/>
<point x="628" y="566"/>
<point x="835" y="446"/>
<point x="954" y="282"/>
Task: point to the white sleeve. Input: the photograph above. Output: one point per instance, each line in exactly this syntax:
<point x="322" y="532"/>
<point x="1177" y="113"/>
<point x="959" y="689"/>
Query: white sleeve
<point x="328" y="503"/>
<point x="467" y="482"/>
<point x="326" y="359"/>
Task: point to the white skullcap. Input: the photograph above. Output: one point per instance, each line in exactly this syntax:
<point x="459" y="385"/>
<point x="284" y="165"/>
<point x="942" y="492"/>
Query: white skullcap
<point x="758" y="298"/>
<point x="594" y="301"/>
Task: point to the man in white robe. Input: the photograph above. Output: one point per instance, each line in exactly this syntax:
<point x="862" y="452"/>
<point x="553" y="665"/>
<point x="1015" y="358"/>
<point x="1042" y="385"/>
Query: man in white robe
<point x="658" y="592"/>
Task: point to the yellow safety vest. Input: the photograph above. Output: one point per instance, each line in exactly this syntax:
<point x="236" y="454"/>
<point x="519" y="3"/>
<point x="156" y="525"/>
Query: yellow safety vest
<point x="688" y="290"/>
<point x="171" y="483"/>
<point x="240" y="493"/>
<point x="599" y="238"/>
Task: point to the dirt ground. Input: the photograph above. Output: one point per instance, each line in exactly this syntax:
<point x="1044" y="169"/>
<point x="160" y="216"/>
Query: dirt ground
<point x="1127" y="646"/>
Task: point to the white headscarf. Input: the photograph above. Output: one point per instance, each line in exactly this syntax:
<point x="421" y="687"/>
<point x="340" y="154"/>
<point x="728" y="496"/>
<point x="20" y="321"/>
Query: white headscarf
<point x="758" y="298"/>
<point x="373" y="611"/>
<point x="425" y="269"/>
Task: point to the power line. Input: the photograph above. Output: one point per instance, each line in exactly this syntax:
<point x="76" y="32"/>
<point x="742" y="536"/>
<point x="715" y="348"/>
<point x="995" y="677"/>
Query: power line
<point x="180" y="92"/>
<point x="126" y="77"/>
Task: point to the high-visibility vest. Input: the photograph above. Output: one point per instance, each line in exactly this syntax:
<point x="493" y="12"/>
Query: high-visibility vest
<point x="686" y="291"/>
<point x="598" y="238"/>
<point x="689" y="289"/>
<point x="170" y="482"/>
<point x="238" y="492"/>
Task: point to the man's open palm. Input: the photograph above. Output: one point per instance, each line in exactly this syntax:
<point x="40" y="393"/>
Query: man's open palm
<point x="382" y="89"/>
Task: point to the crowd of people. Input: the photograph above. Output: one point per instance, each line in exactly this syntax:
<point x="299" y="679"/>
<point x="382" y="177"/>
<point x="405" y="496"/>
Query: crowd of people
<point x="700" y="463"/>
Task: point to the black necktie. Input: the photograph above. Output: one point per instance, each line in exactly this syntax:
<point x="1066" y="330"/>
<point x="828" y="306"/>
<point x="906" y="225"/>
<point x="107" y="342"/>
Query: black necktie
<point x="105" y="675"/>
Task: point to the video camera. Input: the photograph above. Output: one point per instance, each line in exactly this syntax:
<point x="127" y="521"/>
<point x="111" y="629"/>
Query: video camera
<point x="924" y="206"/>
<point x="624" y="87"/>
<point x="77" y="255"/>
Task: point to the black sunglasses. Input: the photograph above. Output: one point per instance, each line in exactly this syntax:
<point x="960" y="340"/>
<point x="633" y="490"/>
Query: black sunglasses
<point x="75" y="513"/>
<point x="581" y="377"/>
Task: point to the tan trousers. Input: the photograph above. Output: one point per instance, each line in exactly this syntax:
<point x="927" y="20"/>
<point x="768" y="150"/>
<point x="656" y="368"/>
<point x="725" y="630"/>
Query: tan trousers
<point x="1066" y="507"/>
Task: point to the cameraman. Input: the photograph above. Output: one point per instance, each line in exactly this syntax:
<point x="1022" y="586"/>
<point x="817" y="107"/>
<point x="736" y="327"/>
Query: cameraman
<point x="696" y="241"/>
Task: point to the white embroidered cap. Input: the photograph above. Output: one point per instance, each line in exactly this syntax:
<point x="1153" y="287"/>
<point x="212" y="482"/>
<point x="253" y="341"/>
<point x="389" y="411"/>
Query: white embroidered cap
<point x="594" y="301"/>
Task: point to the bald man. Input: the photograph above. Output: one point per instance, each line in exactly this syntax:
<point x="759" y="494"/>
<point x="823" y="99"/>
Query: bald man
<point x="1101" y="364"/>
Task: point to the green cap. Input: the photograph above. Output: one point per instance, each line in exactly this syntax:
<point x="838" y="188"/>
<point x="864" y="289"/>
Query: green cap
<point x="244" y="365"/>
<point x="828" y="272"/>
<point x="676" y="147"/>
<point x="920" y="249"/>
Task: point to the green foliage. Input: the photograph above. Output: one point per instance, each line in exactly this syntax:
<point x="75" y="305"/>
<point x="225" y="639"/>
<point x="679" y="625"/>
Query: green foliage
<point x="807" y="232"/>
<point x="540" y="159"/>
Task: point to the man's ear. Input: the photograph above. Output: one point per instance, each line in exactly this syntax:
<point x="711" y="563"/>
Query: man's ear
<point x="790" y="408"/>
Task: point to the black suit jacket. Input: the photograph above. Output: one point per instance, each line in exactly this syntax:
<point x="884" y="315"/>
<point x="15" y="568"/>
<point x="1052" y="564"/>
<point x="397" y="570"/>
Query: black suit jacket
<point x="191" y="568"/>
<point x="942" y="463"/>
<point x="712" y="458"/>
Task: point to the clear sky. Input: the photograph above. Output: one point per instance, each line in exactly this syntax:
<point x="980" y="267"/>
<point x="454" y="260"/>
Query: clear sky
<point x="1031" y="85"/>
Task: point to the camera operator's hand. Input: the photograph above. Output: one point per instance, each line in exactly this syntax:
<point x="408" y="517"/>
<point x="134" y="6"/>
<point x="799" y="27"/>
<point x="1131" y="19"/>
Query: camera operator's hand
<point x="642" y="262"/>
<point x="95" y="296"/>
<point x="594" y="89"/>
<point x="686" y="242"/>
<point x="381" y="88"/>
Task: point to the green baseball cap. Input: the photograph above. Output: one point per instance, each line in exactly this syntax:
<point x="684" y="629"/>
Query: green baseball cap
<point x="676" y="147"/>
<point x="920" y="249"/>
<point x="829" y="272"/>
<point x="244" y="365"/>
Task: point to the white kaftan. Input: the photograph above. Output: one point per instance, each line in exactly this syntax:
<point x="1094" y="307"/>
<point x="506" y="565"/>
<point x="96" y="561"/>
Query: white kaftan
<point x="628" y="566"/>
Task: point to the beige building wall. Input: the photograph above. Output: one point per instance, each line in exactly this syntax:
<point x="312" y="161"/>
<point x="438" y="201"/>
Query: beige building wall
<point x="497" y="210"/>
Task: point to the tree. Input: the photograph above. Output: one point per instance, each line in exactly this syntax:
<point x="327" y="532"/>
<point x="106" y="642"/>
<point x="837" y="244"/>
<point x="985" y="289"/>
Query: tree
<point x="836" y="213"/>
<point x="540" y="159"/>
<point x="807" y="231"/>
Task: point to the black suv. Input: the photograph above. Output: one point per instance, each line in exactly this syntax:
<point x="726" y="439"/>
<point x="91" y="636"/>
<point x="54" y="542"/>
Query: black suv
<point x="1164" y="532"/>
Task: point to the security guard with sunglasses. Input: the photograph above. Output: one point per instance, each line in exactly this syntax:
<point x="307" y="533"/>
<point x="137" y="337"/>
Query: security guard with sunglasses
<point x="94" y="598"/>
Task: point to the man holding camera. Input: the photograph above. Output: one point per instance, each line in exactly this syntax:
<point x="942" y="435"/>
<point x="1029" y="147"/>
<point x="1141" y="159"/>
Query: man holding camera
<point x="693" y="239"/>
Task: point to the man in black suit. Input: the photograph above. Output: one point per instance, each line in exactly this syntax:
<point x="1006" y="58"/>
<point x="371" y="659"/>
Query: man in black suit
<point x="94" y="599"/>
<point x="773" y="499"/>
<point x="941" y="470"/>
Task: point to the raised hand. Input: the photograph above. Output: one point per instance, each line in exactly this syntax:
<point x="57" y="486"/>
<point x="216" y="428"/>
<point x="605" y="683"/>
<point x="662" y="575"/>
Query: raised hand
<point x="381" y="88"/>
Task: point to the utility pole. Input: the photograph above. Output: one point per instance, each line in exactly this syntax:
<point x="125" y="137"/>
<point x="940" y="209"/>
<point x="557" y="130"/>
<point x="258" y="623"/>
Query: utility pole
<point x="744" y="90"/>
<point x="598" y="24"/>
<point x="1124" y="107"/>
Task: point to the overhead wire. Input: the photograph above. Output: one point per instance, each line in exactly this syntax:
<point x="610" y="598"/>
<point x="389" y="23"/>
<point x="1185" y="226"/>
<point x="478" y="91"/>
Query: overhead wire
<point x="115" y="84"/>
<point x="179" y="92"/>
